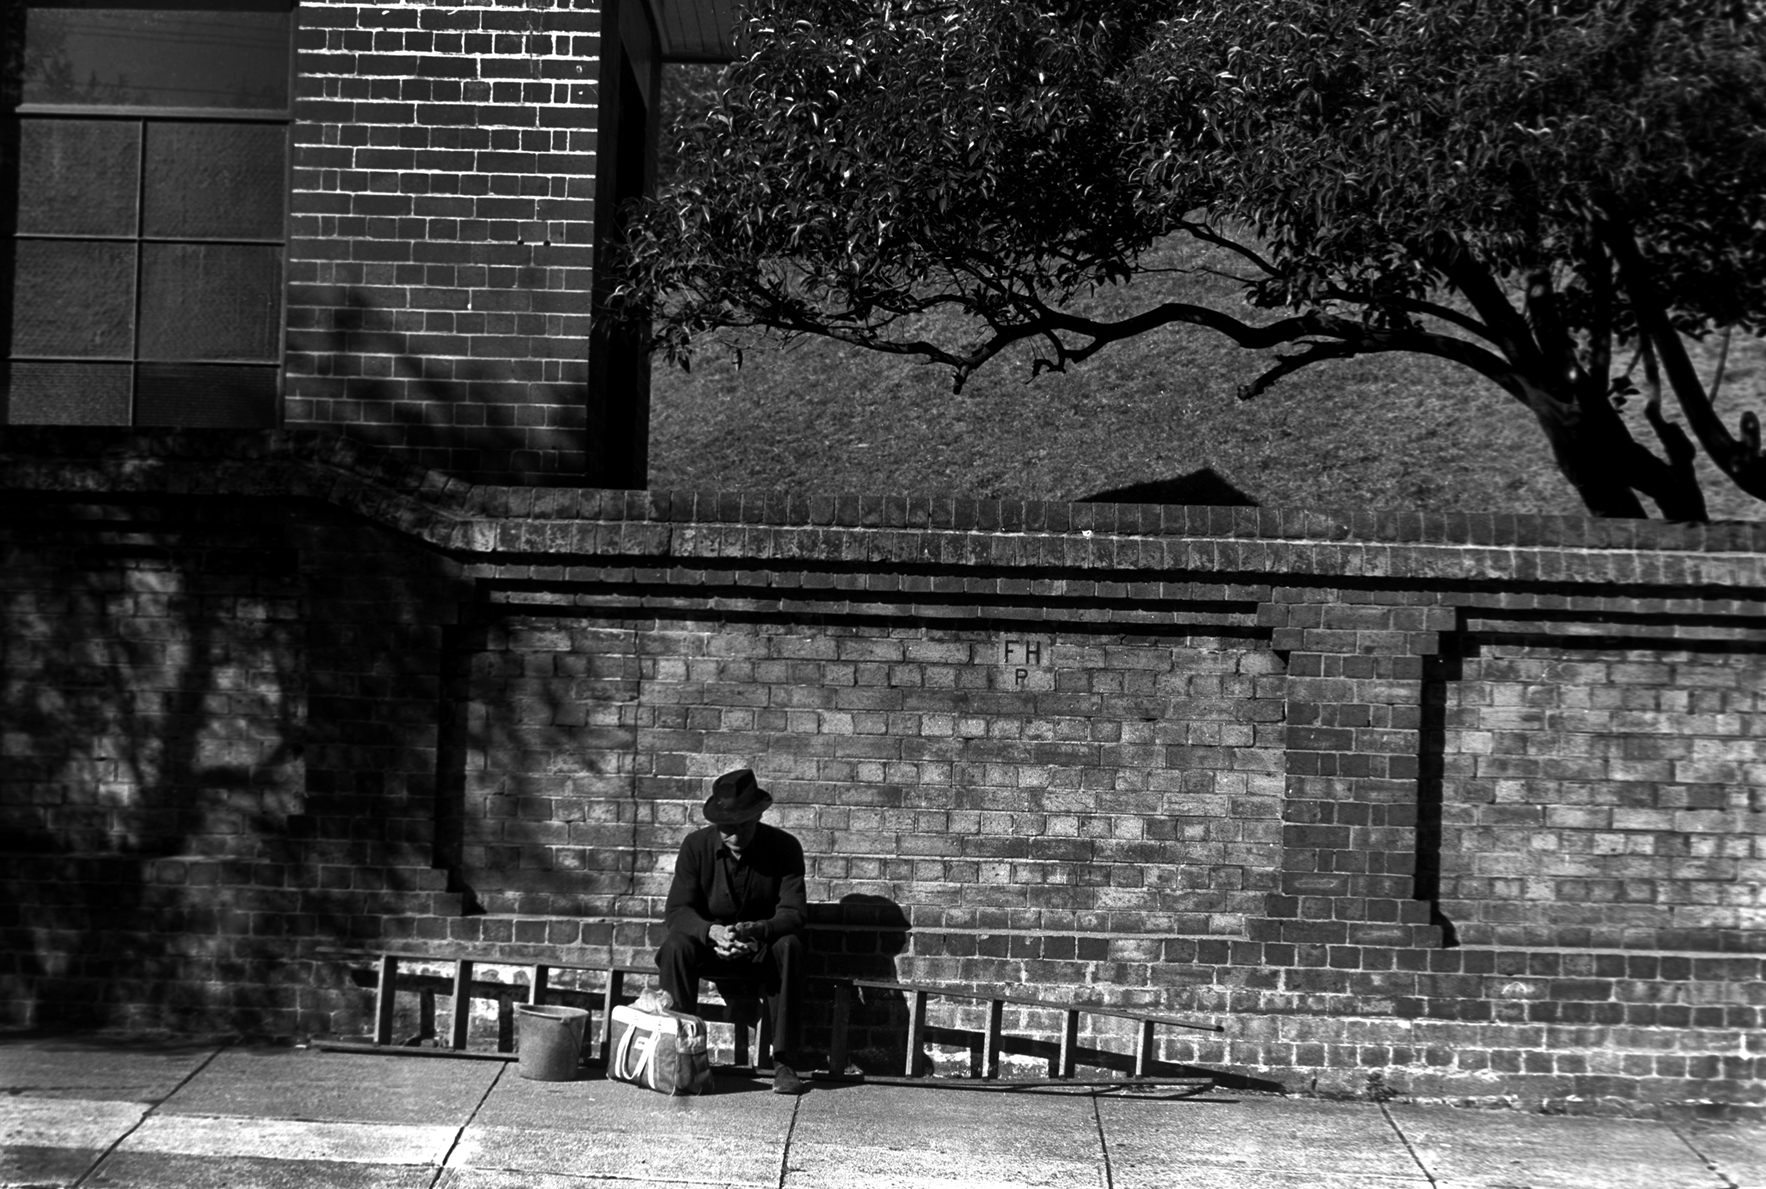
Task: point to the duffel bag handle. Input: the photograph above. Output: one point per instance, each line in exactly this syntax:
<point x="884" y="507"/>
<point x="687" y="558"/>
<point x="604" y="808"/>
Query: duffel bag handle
<point x="643" y="1074"/>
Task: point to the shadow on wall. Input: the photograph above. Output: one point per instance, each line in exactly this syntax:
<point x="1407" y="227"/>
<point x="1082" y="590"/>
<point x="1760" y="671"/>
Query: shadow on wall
<point x="538" y="809"/>
<point x="178" y="833"/>
<point x="860" y="938"/>
<point x="1198" y="488"/>
<point x="482" y="420"/>
<point x="149" y="743"/>
<point x="1439" y="674"/>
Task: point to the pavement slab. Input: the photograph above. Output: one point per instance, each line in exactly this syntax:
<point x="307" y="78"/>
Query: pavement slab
<point x="652" y="1157"/>
<point x="66" y="1122"/>
<point x="838" y="1166"/>
<point x="1242" y="1177"/>
<point x="125" y="1070"/>
<point x="162" y="1170"/>
<point x="132" y="1116"/>
<point x="496" y="1178"/>
<point x="599" y="1128"/>
<point x="1219" y="1142"/>
<point x="1470" y="1149"/>
<point x="337" y="1087"/>
<point x="54" y="1140"/>
<point x="293" y="1139"/>
<point x="1739" y="1153"/>
<point x="876" y="1136"/>
<point x="599" y="1105"/>
<point x="45" y="1168"/>
<point x="914" y="1118"/>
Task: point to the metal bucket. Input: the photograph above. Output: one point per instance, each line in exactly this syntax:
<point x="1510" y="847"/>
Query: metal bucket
<point x="550" y="1041"/>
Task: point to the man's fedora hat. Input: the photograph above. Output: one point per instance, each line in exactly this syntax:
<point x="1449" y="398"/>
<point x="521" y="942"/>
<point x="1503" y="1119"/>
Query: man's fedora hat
<point x="736" y="798"/>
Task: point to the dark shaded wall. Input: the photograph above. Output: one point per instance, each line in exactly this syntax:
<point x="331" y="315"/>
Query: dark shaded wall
<point x="219" y="746"/>
<point x="1466" y="802"/>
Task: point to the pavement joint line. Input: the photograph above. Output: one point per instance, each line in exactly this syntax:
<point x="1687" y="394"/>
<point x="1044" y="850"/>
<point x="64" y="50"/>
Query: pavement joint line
<point x="441" y="1169"/>
<point x="785" y="1148"/>
<point x="148" y="1114"/>
<point x="1729" y="1182"/>
<point x="1405" y="1140"/>
<point x="1103" y="1142"/>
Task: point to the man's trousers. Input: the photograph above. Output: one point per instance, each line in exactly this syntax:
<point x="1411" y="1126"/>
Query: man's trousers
<point x="683" y="960"/>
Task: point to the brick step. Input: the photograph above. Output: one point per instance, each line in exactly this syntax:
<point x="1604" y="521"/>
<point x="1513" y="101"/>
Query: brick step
<point x="363" y="852"/>
<point x="203" y="870"/>
<point x="416" y="879"/>
<point x="524" y="939"/>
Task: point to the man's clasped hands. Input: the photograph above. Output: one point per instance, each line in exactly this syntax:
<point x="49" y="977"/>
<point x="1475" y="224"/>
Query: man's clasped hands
<point x="741" y="940"/>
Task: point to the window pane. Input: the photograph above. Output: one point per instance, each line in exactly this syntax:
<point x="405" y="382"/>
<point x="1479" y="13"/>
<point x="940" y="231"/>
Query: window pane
<point x="68" y="393"/>
<point x="71" y="298"/>
<point x="211" y="301"/>
<point x="222" y="181"/>
<point x="149" y="58"/>
<point x="192" y="394"/>
<point x="77" y="176"/>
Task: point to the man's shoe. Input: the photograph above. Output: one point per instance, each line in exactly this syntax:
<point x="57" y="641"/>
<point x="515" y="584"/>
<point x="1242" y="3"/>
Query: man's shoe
<point x="785" y="1079"/>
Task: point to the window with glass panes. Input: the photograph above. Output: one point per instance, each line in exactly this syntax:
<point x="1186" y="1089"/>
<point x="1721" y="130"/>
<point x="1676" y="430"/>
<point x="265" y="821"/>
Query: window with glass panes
<point x="146" y="163"/>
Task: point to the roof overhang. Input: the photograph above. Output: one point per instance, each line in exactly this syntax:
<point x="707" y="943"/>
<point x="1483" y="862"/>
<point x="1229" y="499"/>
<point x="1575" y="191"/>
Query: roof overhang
<point x="696" y="30"/>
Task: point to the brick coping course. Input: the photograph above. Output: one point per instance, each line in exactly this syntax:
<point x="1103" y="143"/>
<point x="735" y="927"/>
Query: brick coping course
<point x="732" y="525"/>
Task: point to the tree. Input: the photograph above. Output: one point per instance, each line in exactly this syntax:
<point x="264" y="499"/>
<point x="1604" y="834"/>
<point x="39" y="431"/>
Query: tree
<point x="1533" y="192"/>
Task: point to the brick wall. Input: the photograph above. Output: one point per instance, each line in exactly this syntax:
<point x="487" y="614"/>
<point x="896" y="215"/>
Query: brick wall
<point x="1465" y="802"/>
<point x="218" y="746"/>
<point x="1607" y="795"/>
<point x="1124" y="779"/>
<point x="151" y="707"/>
<point x="442" y="229"/>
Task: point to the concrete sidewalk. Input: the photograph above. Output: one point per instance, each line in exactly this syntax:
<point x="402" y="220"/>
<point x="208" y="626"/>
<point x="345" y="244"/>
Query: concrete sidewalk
<point x="195" y="1116"/>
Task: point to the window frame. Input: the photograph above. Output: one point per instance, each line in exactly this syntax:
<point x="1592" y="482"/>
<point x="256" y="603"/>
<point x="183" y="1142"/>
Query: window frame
<point x="12" y="118"/>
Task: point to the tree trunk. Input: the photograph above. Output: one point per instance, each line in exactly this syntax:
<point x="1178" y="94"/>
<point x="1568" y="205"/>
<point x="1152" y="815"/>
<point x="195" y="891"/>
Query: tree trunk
<point x="1607" y="466"/>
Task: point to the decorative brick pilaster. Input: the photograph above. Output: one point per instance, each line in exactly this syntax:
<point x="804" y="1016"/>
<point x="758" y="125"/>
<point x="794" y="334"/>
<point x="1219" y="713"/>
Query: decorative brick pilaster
<point x="1354" y="714"/>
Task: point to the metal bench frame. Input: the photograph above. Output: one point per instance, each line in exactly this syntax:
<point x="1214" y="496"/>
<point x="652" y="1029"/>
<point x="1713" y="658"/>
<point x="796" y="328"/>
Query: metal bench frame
<point x="389" y="980"/>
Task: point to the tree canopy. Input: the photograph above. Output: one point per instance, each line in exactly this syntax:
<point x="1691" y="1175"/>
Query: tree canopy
<point x="1555" y="196"/>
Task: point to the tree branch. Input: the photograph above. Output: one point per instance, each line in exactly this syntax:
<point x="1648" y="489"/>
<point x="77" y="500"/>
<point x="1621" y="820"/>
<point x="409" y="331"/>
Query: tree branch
<point x="1031" y="317"/>
<point x="1548" y="326"/>
<point x="1677" y="493"/>
<point x="1722" y="363"/>
<point x="1430" y="309"/>
<point x="1312" y="325"/>
<point x="1207" y="234"/>
<point x="1741" y="460"/>
<point x="1599" y="273"/>
<point x="1287" y="365"/>
<point x="1508" y="329"/>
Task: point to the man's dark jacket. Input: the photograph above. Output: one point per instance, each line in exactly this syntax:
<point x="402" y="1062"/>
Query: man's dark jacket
<point x="767" y="885"/>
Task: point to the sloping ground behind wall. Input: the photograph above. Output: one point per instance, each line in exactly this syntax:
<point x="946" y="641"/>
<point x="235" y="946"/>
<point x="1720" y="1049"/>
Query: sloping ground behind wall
<point x="1468" y="803"/>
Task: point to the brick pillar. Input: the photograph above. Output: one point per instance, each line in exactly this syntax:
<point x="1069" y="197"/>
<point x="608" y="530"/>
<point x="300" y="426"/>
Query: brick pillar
<point x="442" y="230"/>
<point x="618" y="438"/>
<point x="1354" y="718"/>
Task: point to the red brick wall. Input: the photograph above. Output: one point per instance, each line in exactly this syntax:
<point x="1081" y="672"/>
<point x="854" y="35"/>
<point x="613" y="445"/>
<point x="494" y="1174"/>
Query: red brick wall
<point x="218" y="747"/>
<point x="1465" y="802"/>
<point x="1607" y="797"/>
<point x="150" y="706"/>
<point x="442" y="229"/>
<point x="1130" y="780"/>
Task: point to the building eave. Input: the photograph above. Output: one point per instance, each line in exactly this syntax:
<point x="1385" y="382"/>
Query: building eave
<point x="696" y="30"/>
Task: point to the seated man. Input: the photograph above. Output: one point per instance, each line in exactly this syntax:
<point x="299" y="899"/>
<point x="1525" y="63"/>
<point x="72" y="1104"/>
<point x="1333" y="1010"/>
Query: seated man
<point x="736" y="910"/>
